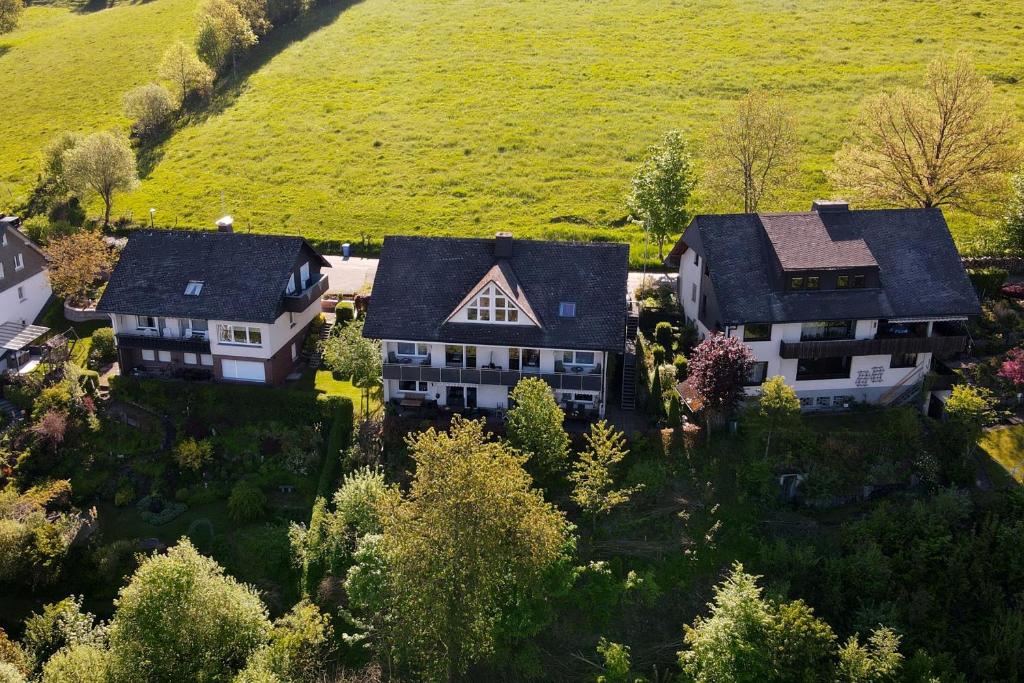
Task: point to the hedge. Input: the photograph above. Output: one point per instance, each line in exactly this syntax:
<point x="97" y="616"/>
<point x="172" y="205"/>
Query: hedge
<point x="338" y="440"/>
<point x="987" y="281"/>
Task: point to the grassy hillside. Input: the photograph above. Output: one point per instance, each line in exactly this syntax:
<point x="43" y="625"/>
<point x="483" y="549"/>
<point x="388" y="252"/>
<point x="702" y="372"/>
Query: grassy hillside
<point x="67" y="67"/>
<point x="467" y="116"/>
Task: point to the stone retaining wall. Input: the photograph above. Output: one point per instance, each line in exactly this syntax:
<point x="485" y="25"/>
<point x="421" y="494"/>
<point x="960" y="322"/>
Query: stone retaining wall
<point x="81" y="315"/>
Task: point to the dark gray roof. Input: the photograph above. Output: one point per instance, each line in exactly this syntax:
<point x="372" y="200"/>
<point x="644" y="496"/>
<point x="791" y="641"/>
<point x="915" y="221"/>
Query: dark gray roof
<point x="421" y="280"/>
<point x="811" y="240"/>
<point x="919" y="268"/>
<point x="243" y="275"/>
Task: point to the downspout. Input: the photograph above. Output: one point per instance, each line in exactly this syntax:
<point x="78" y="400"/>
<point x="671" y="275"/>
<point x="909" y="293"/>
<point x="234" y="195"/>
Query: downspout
<point x="604" y="382"/>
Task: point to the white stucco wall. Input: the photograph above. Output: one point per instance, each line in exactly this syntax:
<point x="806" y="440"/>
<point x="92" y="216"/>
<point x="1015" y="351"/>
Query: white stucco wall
<point x="35" y="292"/>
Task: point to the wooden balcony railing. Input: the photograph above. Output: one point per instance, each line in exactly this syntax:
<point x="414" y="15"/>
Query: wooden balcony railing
<point x="940" y="345"/>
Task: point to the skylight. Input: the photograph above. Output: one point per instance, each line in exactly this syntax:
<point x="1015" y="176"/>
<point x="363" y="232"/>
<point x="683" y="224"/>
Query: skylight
<point x="567" y="309"/>
<point x="193" y="288"/>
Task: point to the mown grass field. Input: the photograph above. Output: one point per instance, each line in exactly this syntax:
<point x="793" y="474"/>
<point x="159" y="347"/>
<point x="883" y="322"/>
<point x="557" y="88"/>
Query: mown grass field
<point x="67" y="66"/>
<point x="468" y="116"/>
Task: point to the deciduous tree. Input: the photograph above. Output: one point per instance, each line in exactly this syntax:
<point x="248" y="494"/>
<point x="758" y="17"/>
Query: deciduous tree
<point x="535" y="425"/>
<point x="778" y="409"/>
<point x="751" y="149"/>
<point x="352" y="355"/>
<point x="190" y="76"/>
<point x="947" y="144"/>
<point x="719" y="367"/>
<point x="150" y="108"/>
<point x="10" y="13"/>
<point x="53" y="173"/>
<point x="1012" y="367"/>
<point x="223" y="33"/>
<point x="1013" y="214"/>
<point x="77" y="263"/>
<point x="592" y="478"/>
<point x="103" y="164"/>
<point x="661" y="190"/>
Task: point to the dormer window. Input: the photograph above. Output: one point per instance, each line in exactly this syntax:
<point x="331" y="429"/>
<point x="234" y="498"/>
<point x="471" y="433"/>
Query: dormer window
<point x="859" y="281"/>
<point x="813" y="282"/>
<point x="796" y="283"/>
<point x="842" y="281"/>
<point x="567" y="309"/>
<point x="491" y="305"/>
<point x="193" y="288"/>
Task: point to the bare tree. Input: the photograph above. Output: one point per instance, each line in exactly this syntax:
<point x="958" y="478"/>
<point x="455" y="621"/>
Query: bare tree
<point x="943" y="145"/>
<point x="751" y="150"/>
<point x="189" y="75"/>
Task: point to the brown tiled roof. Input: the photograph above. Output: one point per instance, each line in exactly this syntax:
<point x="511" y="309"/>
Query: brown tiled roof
<point x="803" y="241"/>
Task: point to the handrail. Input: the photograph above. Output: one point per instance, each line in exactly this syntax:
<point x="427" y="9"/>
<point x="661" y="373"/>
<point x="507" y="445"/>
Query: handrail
<point x="891" y="394"/>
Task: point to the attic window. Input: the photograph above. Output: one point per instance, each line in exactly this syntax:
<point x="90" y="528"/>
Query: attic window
<point x="193" y="288"/>
<point x="567" y="309"/>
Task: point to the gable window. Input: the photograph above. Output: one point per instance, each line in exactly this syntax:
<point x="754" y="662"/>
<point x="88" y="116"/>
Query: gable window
<point x="813" y="282"/>
<point x="240" y="334"/>
<point x="842" y="282"/>
<point x="754" y="332"/>
<point x="304" y="275"/>
<point x="193" y="288"/>
<point x="412" y="349"/>
<point x="859" y="281"/>
<point x="491" y="305"/>
<point x="796" y="283"/>
<point x="567" y="309"/>
<point x="903" y="360"/>
<point x="145" y="322"/>
<point x="19" y="261"/>
<point x="755" y="377"/>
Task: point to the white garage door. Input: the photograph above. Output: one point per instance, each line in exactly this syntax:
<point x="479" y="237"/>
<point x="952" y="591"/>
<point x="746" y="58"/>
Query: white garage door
<point x="246" y="370"/>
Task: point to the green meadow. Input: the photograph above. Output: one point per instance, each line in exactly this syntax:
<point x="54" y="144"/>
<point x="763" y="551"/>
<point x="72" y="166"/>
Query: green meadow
<point x="470" y="116"/>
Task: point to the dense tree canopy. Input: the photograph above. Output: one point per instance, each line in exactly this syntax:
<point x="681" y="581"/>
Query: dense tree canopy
<point x="661" y="190"/>
<point x="534" y="425"/>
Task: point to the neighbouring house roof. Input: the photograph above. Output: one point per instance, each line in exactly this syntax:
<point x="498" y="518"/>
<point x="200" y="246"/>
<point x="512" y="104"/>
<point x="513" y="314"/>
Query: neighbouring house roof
<point x="33" y="257"/>
<point x="243" y="275"/>
<point x="920" y="270"/>
<point x="15" y="336"/>
<point x="420" y="281"/>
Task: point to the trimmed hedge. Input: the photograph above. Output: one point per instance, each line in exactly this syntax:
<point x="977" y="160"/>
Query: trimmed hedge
<point x="338" y="440"/>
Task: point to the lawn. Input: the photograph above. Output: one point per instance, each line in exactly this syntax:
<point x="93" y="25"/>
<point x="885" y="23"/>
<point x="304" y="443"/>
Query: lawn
<point x="465" y="117"/>
<point x="52" y="316"/>
<point x="67" y="69"/>
<point x="1006" y="447"/>
<point x="324" y="382"/>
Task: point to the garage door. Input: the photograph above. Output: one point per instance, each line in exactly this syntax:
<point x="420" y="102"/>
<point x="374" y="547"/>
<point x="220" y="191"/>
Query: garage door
<point x="246" y="370"/>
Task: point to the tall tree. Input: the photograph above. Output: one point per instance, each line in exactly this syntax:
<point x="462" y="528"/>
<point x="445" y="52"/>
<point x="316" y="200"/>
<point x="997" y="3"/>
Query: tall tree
<point x="186" y="72"/>
<point x="778" y="409"/>
<point x="535" y="425"/>
<point x="592" y="478"/>
<point x="661" y="190"/>
<point x="10" y="13"/>
<point x="751" y="149"/>
<point x="53" y="174"/>
<point x="1013" y="214"/>
<point x="968" y="409"/>
<point x="102" y="163"/>
<point x="352" y="355"/>
<point x="77" y="262"/>
<point x="149" y="107"/>
<point x="719" y="367"/>
<point x="180" y="618"/>
<point x="223" y="33"/>
<point x="947" y="144"/>
<point x="470" y="543"/>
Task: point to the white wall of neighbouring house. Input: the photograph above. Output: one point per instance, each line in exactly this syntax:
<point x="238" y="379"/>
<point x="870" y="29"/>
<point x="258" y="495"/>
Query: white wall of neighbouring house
<point x="35" y="292"/>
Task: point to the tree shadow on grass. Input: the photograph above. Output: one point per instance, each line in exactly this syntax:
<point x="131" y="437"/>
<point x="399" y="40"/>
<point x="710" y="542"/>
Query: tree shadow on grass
<point x="90" y="6"/>
<point x="233" y="84"/>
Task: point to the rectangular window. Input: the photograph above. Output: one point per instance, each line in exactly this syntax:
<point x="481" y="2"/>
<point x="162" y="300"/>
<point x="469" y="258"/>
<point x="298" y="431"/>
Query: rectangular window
<point x="796" y="283"/>
<point x="470" y="356"/>
<point x="145" y="322"/>
<point x="453" y="356"/>
<point x="827" y="329"/>
<point x="578" y="357"/>
<point x="583" y="398"/>
<point x="240" y="334"/>
<point x="420" y="387"/>
<point x="842" y="281"/>
<point x="824" y="401"/>
<point x="813" y="282"/>
<point x="567" y="309"/>
<point x="756" y="376"/>
<point x="148" y="354"/>
<point x="193" y="288"/>
<point x="1" y="270"/>
<point x="693" y="292"/>
<point x="842" y="401"/>
<point x="835" y="367"/>
<point x="859" y="281"/>
<point x="754" y="332"/>
<point x="21" y="293"/>
<point x="513" y="359"/>
<point x="531" y="360"/>
<point x="903" y="360"/>
<point x="19" y="261"/>
<point x="191" y="359"/>
<point x="164" y="356"/>
<point x="206" y="359"/>
<point x="696" y="259"/>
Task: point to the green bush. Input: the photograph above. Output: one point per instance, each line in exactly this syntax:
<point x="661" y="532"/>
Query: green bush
<point x="338" y="439"/>
<point x="246" y="502"/>
<point x="658" y="352"/>
<point x="182" y="494"/>
<point x="103" y="349"/>
<point x="345" y="312"/>
<point x="156" y="511"/>
<point x="193" y="454"/>
<point x="125" y="494"/>
<point x="664" y="335"/>
<point x="681" y="365"/>
<point x="987" y="281"/>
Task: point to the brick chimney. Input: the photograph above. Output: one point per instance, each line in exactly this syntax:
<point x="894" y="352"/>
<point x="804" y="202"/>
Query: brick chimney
<point x="503" y="245"/>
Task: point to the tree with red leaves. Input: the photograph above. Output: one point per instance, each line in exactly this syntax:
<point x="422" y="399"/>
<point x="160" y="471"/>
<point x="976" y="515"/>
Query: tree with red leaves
<point x="1013" y="367"/>
<point x="718" y="368"/>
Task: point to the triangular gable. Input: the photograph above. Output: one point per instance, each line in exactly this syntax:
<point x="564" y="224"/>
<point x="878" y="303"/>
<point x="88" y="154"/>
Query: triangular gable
<point x="504" y="279"/>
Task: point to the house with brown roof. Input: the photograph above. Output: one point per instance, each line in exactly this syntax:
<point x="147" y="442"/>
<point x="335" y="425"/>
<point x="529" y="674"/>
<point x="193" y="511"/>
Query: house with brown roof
<point x="849" y="306"/>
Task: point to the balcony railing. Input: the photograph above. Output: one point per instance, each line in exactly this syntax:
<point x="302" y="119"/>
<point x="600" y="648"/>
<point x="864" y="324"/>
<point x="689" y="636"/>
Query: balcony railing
<point x="193" y="344"/>
<point x="300" y="301"/>
<point x="940" y="345"/>
<point x="569" y="381"/>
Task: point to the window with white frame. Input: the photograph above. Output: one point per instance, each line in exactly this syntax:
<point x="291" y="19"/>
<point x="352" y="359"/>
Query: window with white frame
<point x="21" y="293"/>
<point x="417" y="387"/>
<point x="579" y="357"/>
<point x="193" y="288"/>
<point x="191" y="359"/>
<point x="491" y="305"/>
<point x="19" y="261"/>
<point x="206" y="359"/>
<point x="525" y="360"/>
<point x="148" y="354"/>
<point x="145" y="322"/>
<point x="412" y="349"/>
<point x="240" y="334"/>
<point x="164" y="356"/>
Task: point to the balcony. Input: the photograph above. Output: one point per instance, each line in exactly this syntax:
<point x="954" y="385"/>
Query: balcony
<point x="194" y="344"/>
<point x="300" y="301"/>
<point x="939" y="344"/>
<point x="575" y="379"/>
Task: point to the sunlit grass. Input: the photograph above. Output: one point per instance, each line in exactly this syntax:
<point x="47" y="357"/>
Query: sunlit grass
<point x="1006" y="446"/>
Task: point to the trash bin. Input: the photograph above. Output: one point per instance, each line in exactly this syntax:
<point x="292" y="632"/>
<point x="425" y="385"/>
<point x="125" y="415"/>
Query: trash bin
<point x="345" y="249"/>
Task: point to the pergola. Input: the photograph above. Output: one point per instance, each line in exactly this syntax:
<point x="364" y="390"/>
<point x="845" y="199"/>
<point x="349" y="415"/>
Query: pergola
<point x="15" y="337"/>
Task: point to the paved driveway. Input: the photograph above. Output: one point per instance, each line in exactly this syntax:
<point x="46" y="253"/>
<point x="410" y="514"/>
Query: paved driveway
<point x="350" y="275"/>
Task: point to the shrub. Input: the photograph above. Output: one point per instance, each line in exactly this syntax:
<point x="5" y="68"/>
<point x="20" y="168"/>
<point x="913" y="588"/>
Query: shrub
<point x="125" y="494"/>
<point x="193" y="454"/>
<point x="658" y="351"/>
<point x="345" y="312"/>
<point x="149" y="107"/>
<point x="246" y="502"/>
<point x="103" y="348"/>
<point x="154" y="510"/>
<point x="338" y="439"/>
<point x="681" y="365"/>
<point x="1015" y="291"/>
<point x="664" y="335"/>
<point x="987" y="281"/>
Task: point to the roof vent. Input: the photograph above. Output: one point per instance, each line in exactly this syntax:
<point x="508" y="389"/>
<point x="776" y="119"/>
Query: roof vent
<point x="226" y="224"/>
<point x="503" y="245"/>
<point x="830" y="205"/>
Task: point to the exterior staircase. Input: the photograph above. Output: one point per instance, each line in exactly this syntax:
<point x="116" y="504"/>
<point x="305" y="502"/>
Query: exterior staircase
<point x="627" y="397"/>
<point x="905" y="390"/>
<point x="314" y="357"/>
<point x="11" y="412"/>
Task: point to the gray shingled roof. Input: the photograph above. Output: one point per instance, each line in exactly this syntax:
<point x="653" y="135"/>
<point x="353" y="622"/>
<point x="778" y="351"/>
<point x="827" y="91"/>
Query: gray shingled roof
<point x="811" y="240"/>
<point x="920" y="270"/>
<point x="421" y="280"/>
<point x="243" y="275"/>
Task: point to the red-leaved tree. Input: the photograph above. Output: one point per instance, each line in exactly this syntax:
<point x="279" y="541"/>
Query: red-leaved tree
<point x="1013" y="367"/>
<point x="718" y="369"/>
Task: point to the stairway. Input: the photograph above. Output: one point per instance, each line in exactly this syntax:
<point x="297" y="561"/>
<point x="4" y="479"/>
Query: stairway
<point x="905" y="390"/>
<point x="632" y="320"/>
<point x="313" y="357"/>
<point x="627" y="398"/>
<point x="11" y="412"/>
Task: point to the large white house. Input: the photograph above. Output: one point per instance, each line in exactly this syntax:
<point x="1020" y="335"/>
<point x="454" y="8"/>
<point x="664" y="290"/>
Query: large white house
<point x="233" y="306"/>
<point x="24" y="291"/>
<point x="848" y="306"/>
<point x="463" y="320"/>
